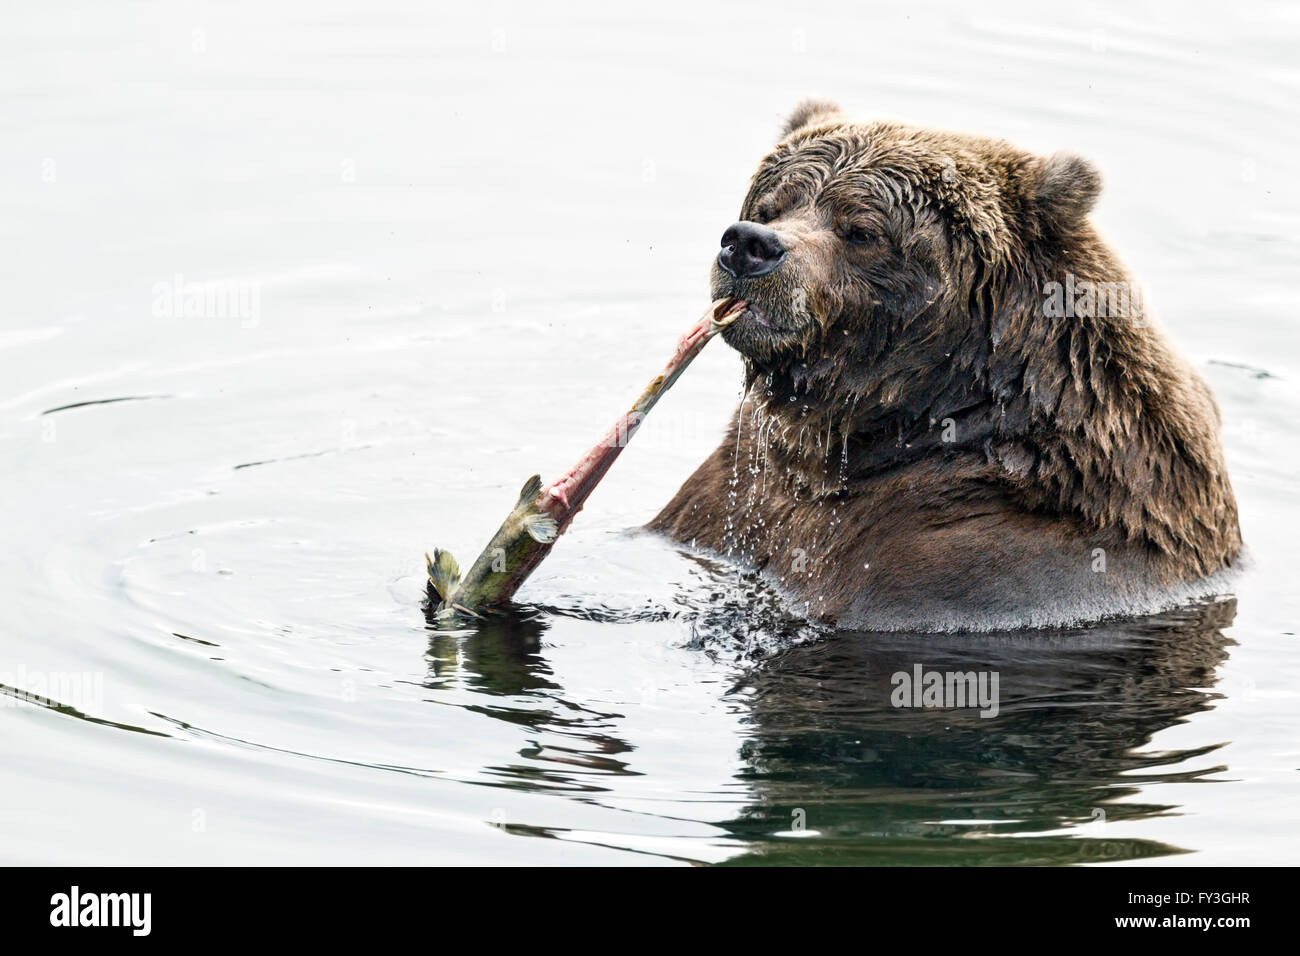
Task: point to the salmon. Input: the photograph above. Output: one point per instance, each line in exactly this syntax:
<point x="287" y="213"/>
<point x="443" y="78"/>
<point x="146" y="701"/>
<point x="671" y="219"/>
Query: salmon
<point x="544" y="512"/>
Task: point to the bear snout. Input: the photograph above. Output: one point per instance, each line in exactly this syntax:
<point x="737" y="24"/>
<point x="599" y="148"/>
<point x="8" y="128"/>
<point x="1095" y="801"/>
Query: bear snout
<point x="750" y="250"/>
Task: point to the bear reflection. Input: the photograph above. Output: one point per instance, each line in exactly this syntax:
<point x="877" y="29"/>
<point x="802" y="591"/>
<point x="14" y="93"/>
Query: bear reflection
<point x="830" y="752"/>
<point x="827" y="752"/>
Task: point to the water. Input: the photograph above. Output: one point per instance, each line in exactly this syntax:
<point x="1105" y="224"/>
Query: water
<point x="464" y="241"/>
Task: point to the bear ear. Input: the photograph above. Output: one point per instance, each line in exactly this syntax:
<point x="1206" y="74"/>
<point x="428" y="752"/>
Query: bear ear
<point x="1063" y="189"/>
<point x="808" y="113"/>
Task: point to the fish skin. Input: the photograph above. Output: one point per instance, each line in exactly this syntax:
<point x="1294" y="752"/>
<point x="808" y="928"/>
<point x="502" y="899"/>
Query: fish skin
<point x="490" y="575"/>
<point x="542" y="514"/>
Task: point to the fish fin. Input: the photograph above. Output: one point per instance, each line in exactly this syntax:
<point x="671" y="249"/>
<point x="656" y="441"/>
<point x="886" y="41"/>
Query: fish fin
<point x="531" y="489"/>
<point x="444" y="573"/>
<point x="541" y="528"/>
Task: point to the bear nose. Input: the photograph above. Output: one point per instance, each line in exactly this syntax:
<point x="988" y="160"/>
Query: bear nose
<point x="750" y="250"/>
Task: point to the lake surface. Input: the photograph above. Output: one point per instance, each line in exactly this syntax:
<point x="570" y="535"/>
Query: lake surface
<point x="297" y="291"/>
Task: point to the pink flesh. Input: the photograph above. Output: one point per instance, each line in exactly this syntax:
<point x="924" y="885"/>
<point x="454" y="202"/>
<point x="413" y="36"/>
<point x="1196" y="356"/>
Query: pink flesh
<point x="564" y="497"/>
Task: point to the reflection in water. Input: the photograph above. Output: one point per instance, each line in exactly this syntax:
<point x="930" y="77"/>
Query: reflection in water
<point x="500" y="656"/>
<point x="885" y="784"/>
<point x="827" y="757"/>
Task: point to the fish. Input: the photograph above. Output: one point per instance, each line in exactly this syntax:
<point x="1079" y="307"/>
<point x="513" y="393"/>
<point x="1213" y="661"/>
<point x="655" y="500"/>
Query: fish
<point x="544" y="512"/>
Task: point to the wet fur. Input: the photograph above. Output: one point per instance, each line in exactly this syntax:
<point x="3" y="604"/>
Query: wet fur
<point x="921" y="445"/>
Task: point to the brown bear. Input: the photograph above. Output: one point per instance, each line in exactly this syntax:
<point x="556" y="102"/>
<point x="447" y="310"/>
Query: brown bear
<point x="957" y="414"/>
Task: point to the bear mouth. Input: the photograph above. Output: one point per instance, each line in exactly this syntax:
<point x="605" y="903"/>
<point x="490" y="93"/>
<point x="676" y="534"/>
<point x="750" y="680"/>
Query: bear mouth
<point x="759" y="332"/>
<point x="755" y="335"/>
<point x="756" y="315"/>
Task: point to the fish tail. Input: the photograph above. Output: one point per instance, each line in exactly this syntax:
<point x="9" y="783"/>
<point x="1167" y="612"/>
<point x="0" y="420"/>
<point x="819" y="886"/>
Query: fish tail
<point x="444" y="573"/>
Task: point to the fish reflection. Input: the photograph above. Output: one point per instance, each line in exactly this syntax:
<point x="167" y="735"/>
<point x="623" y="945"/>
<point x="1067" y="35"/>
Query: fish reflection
<point x="501" y="656"/>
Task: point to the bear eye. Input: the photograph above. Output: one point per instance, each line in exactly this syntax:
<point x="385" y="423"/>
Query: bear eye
<point x="861" y="236"/>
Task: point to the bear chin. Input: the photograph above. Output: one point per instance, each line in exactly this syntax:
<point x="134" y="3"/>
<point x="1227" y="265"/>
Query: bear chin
<point x="758" y="340"/>
<point x="760" y="334"/>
